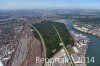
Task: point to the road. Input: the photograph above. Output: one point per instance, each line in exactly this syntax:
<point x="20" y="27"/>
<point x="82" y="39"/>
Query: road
<point x="43" y="43"/>
<point x="64" y="46"/>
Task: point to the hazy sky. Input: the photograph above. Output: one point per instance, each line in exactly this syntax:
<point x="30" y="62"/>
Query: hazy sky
<point x="52" y="4"/>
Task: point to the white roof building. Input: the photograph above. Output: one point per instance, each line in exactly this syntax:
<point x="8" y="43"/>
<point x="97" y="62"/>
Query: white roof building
<point x="75" y="49"/>
<point x="1" y="64"/>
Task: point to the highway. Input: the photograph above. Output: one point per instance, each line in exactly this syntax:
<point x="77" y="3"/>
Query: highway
<point x="43" y="43"/>
<point x="64" y="46"/>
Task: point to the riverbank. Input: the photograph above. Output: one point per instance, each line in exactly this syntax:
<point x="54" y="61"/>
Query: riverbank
<point x="92" y="50"/>
<point x="94" y="32"/>
<point x="80" y="48"/>
<point x="81" y="43"/>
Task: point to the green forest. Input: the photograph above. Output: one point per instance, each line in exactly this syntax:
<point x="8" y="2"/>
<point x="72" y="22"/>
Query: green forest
<point x="50" y="36"/>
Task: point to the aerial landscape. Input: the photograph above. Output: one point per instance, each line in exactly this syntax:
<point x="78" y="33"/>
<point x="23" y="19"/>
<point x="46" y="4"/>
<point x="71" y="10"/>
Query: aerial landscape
<point x="49" y="33"/>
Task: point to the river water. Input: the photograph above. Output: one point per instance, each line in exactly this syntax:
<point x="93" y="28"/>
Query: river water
<point x="94" y="47"/>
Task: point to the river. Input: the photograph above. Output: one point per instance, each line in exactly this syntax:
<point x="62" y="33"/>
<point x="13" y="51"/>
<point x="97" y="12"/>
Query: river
<point x="94" y="47"/>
